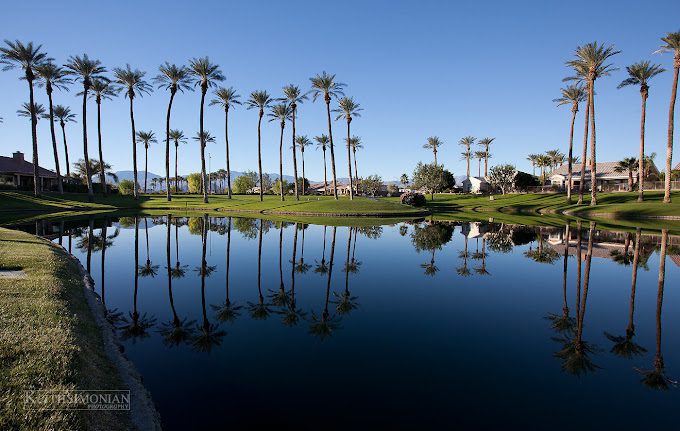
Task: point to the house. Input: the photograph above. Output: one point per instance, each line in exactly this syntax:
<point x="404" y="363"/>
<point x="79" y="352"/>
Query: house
<point x="476" y="185"/>
<point x="605" y="172"/>
<point x="17" y="173"/>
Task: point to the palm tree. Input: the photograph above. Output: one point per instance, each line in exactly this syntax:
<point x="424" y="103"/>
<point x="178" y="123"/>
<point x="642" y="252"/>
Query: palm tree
<point x="259" y="310"/>
<point x="203" y="140"/>
<point x="80" y="170"/>
<point x="261" y="100"/>
<point x="348" y="109"/>
<point x="226" y="98"/>
<point x="322" y="142"/>
<point x="53" y="77"/>
<point x="134" y="84"/>
<point x="671" y="44"/>
<point x="572" y="94"/>
<point x="324" y="325"/>
<point x="485" y="143"/>
<point x="629" y="164"/>
<point x="27" y="56"/>
<point x="281" y="112"/>
<point x="228" y="312"/>
<point x="355" y="143"/>
<point x="533" y="158"/>
<point x="589" y="65"/>
<point x="556" y="158"/>
<point x="543" y="161"/>
<point x="564" y="322"/>
<point x="64" y="115"/>
<point x="173" y="78"/>
<point x="178" y="137"/>
<point x="146" y="138"/>
<point x="324" y="84"/>
<point x="303" y="141"/>
<point x="206" y="75"/>
<point x="27" y="111"/>
<point x="433" y="143"/>
<point x="467" y="142"/>
<point x="480" y="155"/>
<point x="102" y="89"/>
<point x="293" y="95"/>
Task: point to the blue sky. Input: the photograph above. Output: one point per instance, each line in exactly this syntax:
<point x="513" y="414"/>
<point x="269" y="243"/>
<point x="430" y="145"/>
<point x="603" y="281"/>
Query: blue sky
<point x="418" y="68"/>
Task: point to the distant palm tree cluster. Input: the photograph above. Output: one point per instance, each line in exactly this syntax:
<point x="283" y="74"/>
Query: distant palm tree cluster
<point x="434" y="142"/>
<point x="201" y="73"/>
<point x="547" y="162"/>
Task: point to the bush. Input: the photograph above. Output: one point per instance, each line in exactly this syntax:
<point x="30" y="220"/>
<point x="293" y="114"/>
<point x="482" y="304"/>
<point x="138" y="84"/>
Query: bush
<point x="126" y="187"/>
<point x="413" y="199"/>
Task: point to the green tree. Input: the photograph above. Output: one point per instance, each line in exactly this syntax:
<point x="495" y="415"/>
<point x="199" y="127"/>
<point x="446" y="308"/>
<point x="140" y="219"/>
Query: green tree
<point x="282" y="113"/>
<point x="404" y="179"/>
<point x="429" y="176"/>
<point x="194" y="183"/>
<point x="502" y="177"/>
<point x="278" y="190"/>
<point x="629" y="165"/>
<point x="433" y="143"/>
<point x="348" y="109"/>
<point x="671" y="44"/>
<point x="259" y="100"/>
<point x="246" y="182"/>
<point x="146" y="138"/>
<point x="573" y="94"/>
<point x="126" y="187"/>
<point x="226" y="98"/>
<point x="371" y="185"/>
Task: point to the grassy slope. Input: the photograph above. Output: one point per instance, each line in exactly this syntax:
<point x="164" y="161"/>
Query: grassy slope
<point x="49" y="339"/>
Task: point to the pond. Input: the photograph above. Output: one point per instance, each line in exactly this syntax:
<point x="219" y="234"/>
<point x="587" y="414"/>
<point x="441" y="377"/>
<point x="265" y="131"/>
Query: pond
<point x="247" y="323"/>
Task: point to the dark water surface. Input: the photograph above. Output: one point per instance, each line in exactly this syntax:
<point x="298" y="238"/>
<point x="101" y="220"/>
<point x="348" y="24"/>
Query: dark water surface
<point x="243" y="323"/>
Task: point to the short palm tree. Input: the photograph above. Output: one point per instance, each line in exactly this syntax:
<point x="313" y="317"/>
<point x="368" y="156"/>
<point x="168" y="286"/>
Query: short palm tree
<point x="480" y="155"/>
<point x="64" y="115"/>
<point x="282" y="113"/>
<point x="323" y="142"/>
<point x="27" y="56"/>
<point x="146" y="138"/>
<point x="543" y="161"/>
<point x="102" y="88"/>
<point x="348" y="109"/>
<point x="591" y="63"/>
<point x="629" y="165"/>
<point x="533" y="158"/>
<point x="485" y="143"/>
<point x="226" y="98"/>
<point x="260" y="100"/>
<point x="640" y="74"/>
<point x="556" y="158"/>
<point x="303" y="142"/>
<point x="293" y="95"/>
<point x="134" y="84"/>
<point x="671" y="44"/>
<point x="204" y="139"/>
<point x="467" y="142"/>
<point x="433" y="143"/>
<point x="572" y="94"/>
<point x="177" y="137"/>
<point x="207" y="75"/>
<point x="324" y="84"/>
<point x="355" y="143"/>
<point x="53" y="77"/>
<point x="173" y="78"/>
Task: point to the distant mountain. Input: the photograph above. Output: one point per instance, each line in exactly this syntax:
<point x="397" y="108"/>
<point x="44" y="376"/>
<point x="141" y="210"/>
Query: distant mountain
<point x="129" y="175"/>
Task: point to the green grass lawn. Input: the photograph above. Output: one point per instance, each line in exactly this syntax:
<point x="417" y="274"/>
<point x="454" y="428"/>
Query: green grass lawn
<point x="49" y="340"/>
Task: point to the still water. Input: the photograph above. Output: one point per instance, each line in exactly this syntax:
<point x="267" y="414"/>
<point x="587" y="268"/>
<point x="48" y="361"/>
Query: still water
<point x="243" y="323"/>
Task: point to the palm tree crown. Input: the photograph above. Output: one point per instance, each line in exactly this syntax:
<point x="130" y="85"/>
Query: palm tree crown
<point x="64" y="114"/>
<point x="433" y="143"/>
<point x="573" y="94"/>
<point x="226" y="98"/>
<point x="205" y="138"/>
<point x="103" y="89"/>
<point x="173" y="78"/>
<point x="590" y="62"/>
<point x="259" y="99"/>
<point x="671" y="44"/>
<point x="26" y="111"/>
<point x="84" y="69"/>
<point x="52" y="76"/>
<point x="324" y="85"/>
<point x="28" y="56"/>
<point x="302" y="141"/>
<point x="205" y="73"/>
<point x="640" y="73"/>
<point x="347" y="108"/>
<point x="627" y="164"/>
<point x="280" y="111"/>
<point x="293" y="95"/>
<point x="355" y="143"/>
<point x="132" y="80"/>
<point x="178" y="136"/>
<point x="146" y="137"/>
<point x="322" y="141"/>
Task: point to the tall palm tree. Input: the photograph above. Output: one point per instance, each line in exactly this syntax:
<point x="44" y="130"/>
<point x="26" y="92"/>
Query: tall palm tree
<point x="629" y="165"/>
<point x="203" y="140"/>
<point x="173" y="78"/>
<point x="591" y="59"/>
<point x="135" y="85"/>
<point x="260" y="100"/>
<point x="355" y="143"/>
<point x="207" y="75"/>
<point x="28" y="111"/>
<point x="324" y="325"/>
<point x="226" y="98"/>
<point x="303" y="141"/>
<point x="293" y="95"/>
<point x="543" y="161"/>
<point x="229" y="311"/>
<point x="53" y="77"/>
<point x="27" y="56"/>
<point x="323" y="142"/>
<point x="671" y="44"/>
<point x="480" y="155"/>
<point x="533" y="158"/>
<point x="572" y="94"/>
<point x="64" y="115"/>
<point x="433" y="143"/>
<point x="282" y="113"/>
<point x="467" y="142"/>
<point x="85" y="70"/>
<point x="348" y="109"/>
<point x="102" y="88"/>
<point x="485" y="143"/>
<point x="324" y="84"/>
<point x="178" y="137"/>
<point x="146" y="138"/>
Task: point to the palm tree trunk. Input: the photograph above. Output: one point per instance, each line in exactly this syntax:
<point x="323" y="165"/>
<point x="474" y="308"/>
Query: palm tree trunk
<point x="467" y="159"/>
<point x="669" y="145"/>
<point x="574" y="110"/>
<point x="167" y="147"/>
<point x="330" y="137"/>
<point x="584" y="155"/>
<point x="641" y="160"/>
<point x="134" y="148"/>
<point x="658" y="360"/>
<point x="259" y="152"/>
<point x="479" y="167"/>
<point x="349" y="162"/>
<point x="102" y="174"/>
<point x="283" y="124"/>
<point x="295" y="172"/>
<point x="63" y="135"/>
<point x="228" y="257"/>
<point x="204" y="89"/>
<point x="226" y="141"/>
<point x="325" y="181"/>
<point x="54" y="142"/>
<point x="630" y="180"/>
<point x="356" y="171"/>
<point x="593" y="161"/>
<point x="636" y="263"/>
<point x="146" y="164"/>
<point x="176" y="178"/>
<point x="34" y="136"/>
<point x="435" y="155"/>
<point x="88" y="174"/>
<point x="302" y="154"/>
<point x="486" y="161"/>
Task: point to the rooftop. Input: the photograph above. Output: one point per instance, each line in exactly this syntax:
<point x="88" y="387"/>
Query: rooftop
<point x="18" y="165"/>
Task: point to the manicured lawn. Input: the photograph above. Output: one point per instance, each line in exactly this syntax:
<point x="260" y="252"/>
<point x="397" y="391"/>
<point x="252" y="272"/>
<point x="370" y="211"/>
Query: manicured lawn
<point x="49" y="340"/>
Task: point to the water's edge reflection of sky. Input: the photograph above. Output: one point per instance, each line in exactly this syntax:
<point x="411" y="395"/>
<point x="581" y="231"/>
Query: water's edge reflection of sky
<point x="415" y="325"/>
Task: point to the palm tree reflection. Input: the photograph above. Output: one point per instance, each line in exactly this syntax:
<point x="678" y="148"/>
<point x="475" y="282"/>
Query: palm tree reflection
<point x="324" y="325"/>
<point x="564" y="323"/>
<point x="227" y="312"/>
<point x="291" y="313"/>
<point x="259" y="310"/>
<point x="321" y="267"/>
<point x="345" y="302"/>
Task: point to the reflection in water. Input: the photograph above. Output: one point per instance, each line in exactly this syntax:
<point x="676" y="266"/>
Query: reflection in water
<point x="259" y="310"/>
<point x="227" y="312"/>
<point x="326" y="324"/>
<point x="564" y="323"/>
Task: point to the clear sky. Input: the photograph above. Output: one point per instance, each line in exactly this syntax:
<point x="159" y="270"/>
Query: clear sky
<point x="418" y="68"/>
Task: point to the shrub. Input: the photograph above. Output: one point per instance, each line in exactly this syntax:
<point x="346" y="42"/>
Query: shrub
<point x="413" y="199"/>
<point x="126" y="187"/>
<point x="194" y="183"/>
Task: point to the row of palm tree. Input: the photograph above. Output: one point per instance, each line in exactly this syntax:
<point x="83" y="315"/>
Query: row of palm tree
<point x="549" y="161"/>
<point x="434" y="142"/>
